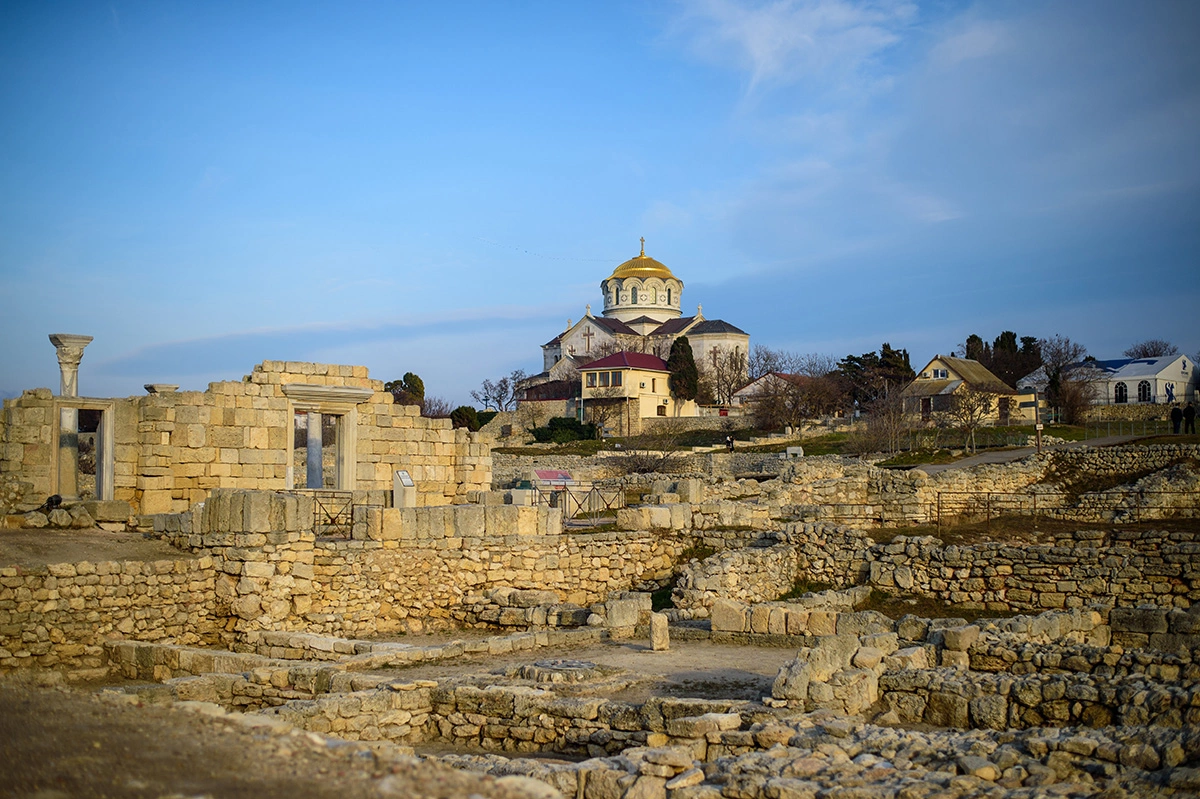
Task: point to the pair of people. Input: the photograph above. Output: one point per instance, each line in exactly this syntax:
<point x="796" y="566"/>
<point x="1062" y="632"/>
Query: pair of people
<point x="1187" y="416"/>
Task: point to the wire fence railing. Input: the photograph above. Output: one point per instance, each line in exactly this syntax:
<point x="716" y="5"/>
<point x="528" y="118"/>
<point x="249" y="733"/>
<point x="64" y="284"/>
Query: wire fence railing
<point x="579" y="501"/>
<point x="1127" y="427"/>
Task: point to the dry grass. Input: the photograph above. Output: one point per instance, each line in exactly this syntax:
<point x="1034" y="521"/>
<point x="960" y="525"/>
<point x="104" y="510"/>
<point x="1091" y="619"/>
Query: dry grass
<point x="1018" y="529"/>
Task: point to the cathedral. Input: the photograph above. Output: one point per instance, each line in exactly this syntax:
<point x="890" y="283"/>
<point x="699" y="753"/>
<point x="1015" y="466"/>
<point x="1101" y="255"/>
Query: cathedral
<point x="642" y="301"/>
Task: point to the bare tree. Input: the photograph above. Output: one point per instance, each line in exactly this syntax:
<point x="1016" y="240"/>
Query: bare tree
<point x="436" y="408"/>
<point x="790" y="400"/>
<point x="969" y="408"/>
<point x="605" y="406"/>
<point x="655" y="450"/>
<point x="1071" y="385"/>
<point x="724" y="374"/>
<point x="764" y="360"/>
<point x="1151" y="348"/>
<point x="501" y="394"/>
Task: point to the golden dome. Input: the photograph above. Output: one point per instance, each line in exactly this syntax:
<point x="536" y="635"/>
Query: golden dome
<point x="643" y="267"/>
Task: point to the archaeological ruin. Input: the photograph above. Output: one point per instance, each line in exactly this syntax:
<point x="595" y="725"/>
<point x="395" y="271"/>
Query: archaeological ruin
<point x="296" y="555"/>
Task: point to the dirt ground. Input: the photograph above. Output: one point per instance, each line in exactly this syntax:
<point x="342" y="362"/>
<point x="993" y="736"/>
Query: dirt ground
<point x="65" y="744"/>
<point x="34" y="548"/>
<point x="699" y="669"/>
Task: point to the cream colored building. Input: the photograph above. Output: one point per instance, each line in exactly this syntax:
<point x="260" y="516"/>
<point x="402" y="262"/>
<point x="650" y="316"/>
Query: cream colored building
<point x="622" y="389"/>
<point x="944" y="376"/>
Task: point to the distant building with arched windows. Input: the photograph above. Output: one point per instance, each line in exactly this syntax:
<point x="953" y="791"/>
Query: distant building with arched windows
<point x="1122" y="381"/>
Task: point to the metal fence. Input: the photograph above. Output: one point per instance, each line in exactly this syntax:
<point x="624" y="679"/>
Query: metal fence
<point x="578" y="501"/>
<point x="1127" y="427"/>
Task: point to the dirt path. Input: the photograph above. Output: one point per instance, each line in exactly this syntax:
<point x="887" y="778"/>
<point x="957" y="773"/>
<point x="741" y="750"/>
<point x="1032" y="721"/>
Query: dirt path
<point x="1010" y="455"/>
<point x="32" y="549"/>
<point x="59" y="744"/>
<point x="698" y="669"/>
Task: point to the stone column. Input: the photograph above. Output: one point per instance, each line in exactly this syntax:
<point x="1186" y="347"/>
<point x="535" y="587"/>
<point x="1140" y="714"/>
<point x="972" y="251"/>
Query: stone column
<point x="69" y="349"/>
<point x="314" y="477"/>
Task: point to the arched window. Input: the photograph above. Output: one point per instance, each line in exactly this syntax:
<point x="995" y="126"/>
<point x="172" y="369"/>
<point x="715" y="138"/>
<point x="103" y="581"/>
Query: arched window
<point x="1144" y="391"/>
<point x="1120" y="393"/>
<point x="668" y="296"/>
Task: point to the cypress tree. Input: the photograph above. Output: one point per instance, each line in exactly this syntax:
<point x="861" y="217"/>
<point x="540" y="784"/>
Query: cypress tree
<point x="685" y="378"/>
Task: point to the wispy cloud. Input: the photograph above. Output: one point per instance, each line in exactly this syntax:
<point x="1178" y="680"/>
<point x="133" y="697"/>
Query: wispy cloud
<point x="789" y="40"/>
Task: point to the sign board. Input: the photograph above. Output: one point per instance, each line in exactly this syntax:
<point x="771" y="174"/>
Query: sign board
<point x="404" y="478"/>
<point x="1038" y="426"/>
<point x="553" y="475"/>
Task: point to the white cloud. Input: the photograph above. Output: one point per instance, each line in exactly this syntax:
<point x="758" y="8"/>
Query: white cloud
<point x="977" y="40"/>
<point x="788" y="40"/>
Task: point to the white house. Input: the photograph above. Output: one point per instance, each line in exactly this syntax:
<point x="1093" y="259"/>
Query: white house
<point x="1164" y="380"/>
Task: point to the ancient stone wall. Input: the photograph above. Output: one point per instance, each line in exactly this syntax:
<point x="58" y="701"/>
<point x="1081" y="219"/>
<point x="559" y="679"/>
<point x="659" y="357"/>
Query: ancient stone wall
<point x="59" y="616"/>
<point x="171" y="449"/>
<point x="404" y="568"/>
<point x="1070" y="570"/>
<point x="506" y="469"/>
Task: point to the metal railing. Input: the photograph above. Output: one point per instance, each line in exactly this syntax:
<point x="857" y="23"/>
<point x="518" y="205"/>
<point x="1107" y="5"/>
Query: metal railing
<point x="333" y="513"/>
<point x="1127" y="427"/>
<point x="576" y="501"/>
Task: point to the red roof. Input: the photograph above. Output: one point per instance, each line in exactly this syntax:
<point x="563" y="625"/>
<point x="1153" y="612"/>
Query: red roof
<point x="630" y="360"/>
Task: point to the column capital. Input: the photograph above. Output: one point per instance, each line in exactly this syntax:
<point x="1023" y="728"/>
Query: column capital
<point x="69" y="348"/>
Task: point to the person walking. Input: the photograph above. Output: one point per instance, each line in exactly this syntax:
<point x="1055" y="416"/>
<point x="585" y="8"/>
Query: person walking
<point x="729" y="442"/>
<point x="1176" y="418"/>
<point x="1189" y="419"/>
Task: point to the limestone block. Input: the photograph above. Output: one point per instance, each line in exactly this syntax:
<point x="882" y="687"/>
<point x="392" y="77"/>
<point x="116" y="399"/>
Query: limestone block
<point x="989" y="711"/>
<point x="81" y="519"/>
<point x="913" y="657"/>
<point x="947" y="710"/>
<point x="760" y="617"/>
<point x="1138" y="620"/>
<point x="831" y="654"/>
<point x="633" y="518"/>
<point x="792" y="680"/>
<point x="822" y="622"/>
<point x="659" y="632"/>
<point x="729" y="616"/>
<point x="959" y="639"/>
<point x="107" y="510"/>
<point x="866" y="622"/>
<point x="622" y="612"/>
<point x="659" y="517"/>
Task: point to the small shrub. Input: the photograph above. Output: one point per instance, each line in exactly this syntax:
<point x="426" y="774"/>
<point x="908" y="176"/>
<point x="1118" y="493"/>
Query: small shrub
<point x="696" y="552"/>
<point x="803" y="586"/>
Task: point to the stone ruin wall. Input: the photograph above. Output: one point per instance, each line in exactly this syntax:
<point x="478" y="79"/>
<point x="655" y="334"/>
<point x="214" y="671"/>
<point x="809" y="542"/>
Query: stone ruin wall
<point x="1071" y="570"/>
<point x="868" y="494"/>
<point x="250" y="563"/>
<point x="507" y="469"/>
<point x="171" y="449"/>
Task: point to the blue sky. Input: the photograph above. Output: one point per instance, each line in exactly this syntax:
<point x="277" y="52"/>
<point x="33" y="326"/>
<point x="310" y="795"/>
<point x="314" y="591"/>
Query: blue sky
<point x="438" y="187"/>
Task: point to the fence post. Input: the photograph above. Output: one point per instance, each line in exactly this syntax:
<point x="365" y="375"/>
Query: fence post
<point x="939" y="511"/>
<point x="988" y="510"/>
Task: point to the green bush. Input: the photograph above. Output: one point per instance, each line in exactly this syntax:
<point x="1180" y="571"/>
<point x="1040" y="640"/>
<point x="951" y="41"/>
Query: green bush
<point x="465" y="416"/>
<point x="486" y="416"/>
<point x="562" y="429"/>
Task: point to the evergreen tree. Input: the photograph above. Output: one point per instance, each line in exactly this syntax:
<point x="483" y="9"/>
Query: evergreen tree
<point x="409" y="390"/>
<point x="685" y="378"/>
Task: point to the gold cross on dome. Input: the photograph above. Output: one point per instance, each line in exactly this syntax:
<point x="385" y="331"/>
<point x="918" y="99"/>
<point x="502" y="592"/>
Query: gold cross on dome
<point x="643" y="255"/>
